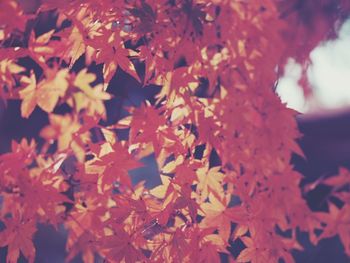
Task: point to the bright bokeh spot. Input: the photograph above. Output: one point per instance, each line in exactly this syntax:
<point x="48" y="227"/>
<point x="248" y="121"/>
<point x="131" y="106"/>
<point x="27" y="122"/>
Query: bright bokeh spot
<point x="329" y="76"/>
<point x="329" y="73"/>
<point x="288" y="88"/>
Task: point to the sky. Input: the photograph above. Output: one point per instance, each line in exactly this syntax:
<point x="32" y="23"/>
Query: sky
<point x="328" y="74"/>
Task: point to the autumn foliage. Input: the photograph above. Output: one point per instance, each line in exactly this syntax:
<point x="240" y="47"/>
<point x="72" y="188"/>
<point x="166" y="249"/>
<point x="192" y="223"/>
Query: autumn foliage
<point x="221" y="138"/>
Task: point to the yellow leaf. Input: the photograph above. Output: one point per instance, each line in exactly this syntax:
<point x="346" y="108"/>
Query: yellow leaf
<point x="215" y="215"/>
<point x="44" y="38"/>
<point x="83" y="79"/>
<point x="77" y="45"/>
<point x="50" y="90"/>
<point x="90" y="98"/>
<point x="160" y="190"/>
<point x="209" y="181"/>
<point x="28" y="96"/>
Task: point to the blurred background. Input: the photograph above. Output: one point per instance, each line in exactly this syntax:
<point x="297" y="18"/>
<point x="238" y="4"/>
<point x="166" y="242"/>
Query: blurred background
<point x="324" y="121"/>
<point x="328" y="75"/>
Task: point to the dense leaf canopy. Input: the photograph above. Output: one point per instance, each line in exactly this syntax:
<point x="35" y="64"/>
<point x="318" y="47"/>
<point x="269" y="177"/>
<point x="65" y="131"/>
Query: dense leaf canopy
<point x="220" y="136"/>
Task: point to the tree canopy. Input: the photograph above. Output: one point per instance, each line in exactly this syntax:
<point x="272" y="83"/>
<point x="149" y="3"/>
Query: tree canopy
<point x="221" y="139"/>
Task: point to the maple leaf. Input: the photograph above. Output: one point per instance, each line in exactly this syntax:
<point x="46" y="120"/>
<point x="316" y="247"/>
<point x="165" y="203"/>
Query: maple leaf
<point x="83" y="79"/>
<point x="75" y="44"/>
<point x="180" y="249"/>
<point x="87" y="245"/>
<point x="150" y="62"/>
<point x="216" y="215"/>
<point x="273" y="249"/>
<point x="23" y="152"/>
<point x="185" y="174"/>
<point x="148" y="125"/>
<point x="208" y="130"/>
<point x="251" y="254"/>
<point x="163" y="211"/>
<point x="45" y="94"/>
<point x="114" y="54"/>
<point x="341" y="179"/>
<point x="120" y="248"/>
<point x="28" y="96"/>
<point x="18" y="236"/>
<point x="214" y="97"/>
<point x="161" y="190"/>
<point x="91" y="98"/>
<point x="208" y="253"/>
<point x="85" y="225"/>
<point x="174" y="80"/>
<point x="62" y="129"/>
<point x="116" y="165"/>
<point x="209" y="180"/>
<point x="8" y="68"/>
<point x="338" y="222"/>
<point x="51" y="89"/>
<point x="43" y="199"/>
<point x="205" y="245"/>
<point x="39" y="47"/>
